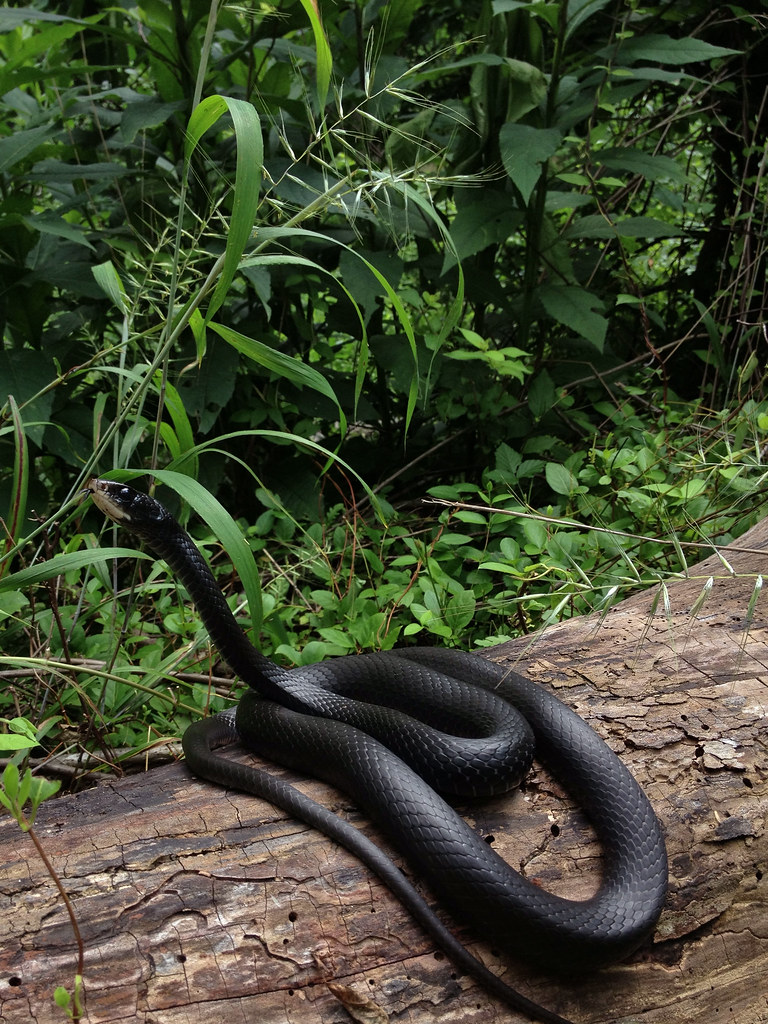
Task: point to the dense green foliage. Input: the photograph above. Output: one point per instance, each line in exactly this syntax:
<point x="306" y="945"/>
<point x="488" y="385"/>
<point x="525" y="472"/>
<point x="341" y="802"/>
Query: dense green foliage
<point x="314" y="271"/>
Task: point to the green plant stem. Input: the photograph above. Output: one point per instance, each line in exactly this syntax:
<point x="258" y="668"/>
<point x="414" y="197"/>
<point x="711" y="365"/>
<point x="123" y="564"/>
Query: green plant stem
<point x="76" y="1013"/>
<point x="575" y="524"/>
<point x="534" y="214"/>
<point x="199" y="82"/>
<point x="65" y="668"/>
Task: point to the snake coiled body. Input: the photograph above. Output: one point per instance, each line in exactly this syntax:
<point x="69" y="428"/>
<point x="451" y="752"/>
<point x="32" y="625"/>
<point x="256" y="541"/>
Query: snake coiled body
<point x="484" y="722"/>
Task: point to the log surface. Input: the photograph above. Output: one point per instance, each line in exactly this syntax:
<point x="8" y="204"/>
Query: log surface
<point x="199" y="904"/>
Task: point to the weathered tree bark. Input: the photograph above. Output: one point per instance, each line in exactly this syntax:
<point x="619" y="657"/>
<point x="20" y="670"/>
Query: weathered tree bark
<point x="198" y="904"/>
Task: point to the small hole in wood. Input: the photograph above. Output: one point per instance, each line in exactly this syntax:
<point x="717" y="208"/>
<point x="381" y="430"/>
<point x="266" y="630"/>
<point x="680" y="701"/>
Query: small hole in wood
<point x="747" y="783"/>
<point x="14" y="982"/>
<point x="554" y="829"/>
<point x="490" y="840"/>
<point x="293" y="916"/>
<point x="181" y="958"/>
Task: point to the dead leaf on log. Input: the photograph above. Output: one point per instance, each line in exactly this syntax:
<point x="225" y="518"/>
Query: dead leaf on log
<point x="360" y="1008"/>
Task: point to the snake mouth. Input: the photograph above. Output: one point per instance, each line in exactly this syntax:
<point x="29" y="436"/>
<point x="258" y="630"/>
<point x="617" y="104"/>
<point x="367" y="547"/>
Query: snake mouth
<point x="106" y="497"/>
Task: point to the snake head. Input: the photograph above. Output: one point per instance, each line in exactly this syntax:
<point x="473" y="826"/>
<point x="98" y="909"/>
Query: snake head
<point x="126" y="506"/>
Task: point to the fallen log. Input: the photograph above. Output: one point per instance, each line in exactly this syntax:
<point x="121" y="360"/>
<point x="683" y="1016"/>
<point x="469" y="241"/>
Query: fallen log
<point x="200" y="904"/>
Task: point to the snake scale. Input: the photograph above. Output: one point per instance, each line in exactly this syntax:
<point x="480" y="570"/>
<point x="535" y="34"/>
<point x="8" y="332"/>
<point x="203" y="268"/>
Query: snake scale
<point x="444" y="723"/>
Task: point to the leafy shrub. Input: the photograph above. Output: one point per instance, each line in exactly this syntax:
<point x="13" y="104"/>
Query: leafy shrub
<point x="321" y="292"/>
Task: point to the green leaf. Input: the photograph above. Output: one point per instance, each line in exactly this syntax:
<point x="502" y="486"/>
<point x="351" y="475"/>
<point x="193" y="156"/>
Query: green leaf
<point x="17" y="510"/>
<point x="651" y="166"/>
<point x="25" y="785"/>
<point x="22" y="727"/>
<point x="580" y="11"/>
<point x="34" y="45"/>
<point x="267" y="234"/>
<point x="13" y="17"/>
<point x="19" y="144"/>
<point x="226" y="530"/>
<point x="277" y="362"/>
<point x="597" y="226"/>
<point x="548" y="12"/>
<point x="665" y="50"/>
<point x="59" y="564"/>
<point x="184" y="438"/>
<point x="281" y="436"/>
<point x="11" y="603"/>
<point x="505" y="567"/>
<point x="146" y="112"/>
<point x="644" y="74"/>
<point x="529" y="88"/>
<point x="336" y="636"/>
<point x="42" y="789"/>
<point x="322" y="49"/>
<point x="250" y="159"/>
<point x="27" y="74"/>
<point x="562" y="480"/>
<point x="356" y="278"/>
<point x="50" y="224"/>
<point x="505" y="6"/>
<point x="460" y="611"/>
<point x="524" y="151"/>
<point x="480" y="223"/>
<point x="49" y="171"/>
<point x="108" y="279"/>
<point x="11" y="781"/>
<point x="413" y="197"/>
<point x="541" y="394"/>
<point x="575" y="307"/>
<point x="12" y="741"/>
<point x="61" y="997"/>
<point x="572" y="178"/>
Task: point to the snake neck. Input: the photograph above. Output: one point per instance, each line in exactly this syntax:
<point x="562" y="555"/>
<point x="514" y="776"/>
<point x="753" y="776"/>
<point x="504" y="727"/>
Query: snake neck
<point x="177" y="549"/>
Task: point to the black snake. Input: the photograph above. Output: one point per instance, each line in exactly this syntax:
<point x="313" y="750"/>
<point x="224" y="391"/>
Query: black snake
<point x="484" y="721"/>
